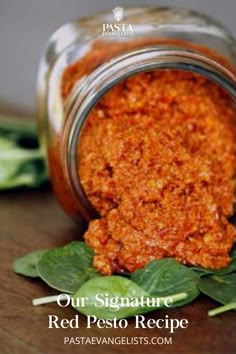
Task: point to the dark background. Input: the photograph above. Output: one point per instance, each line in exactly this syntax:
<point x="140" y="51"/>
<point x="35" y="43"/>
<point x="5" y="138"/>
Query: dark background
<point x="25" y="26"/>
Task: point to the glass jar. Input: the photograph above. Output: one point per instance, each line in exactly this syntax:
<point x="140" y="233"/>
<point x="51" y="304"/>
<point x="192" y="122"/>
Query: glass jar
<point x="121" y="43"/>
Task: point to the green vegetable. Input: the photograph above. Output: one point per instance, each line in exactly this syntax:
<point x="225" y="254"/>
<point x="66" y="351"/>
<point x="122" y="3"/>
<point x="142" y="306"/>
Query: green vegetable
<point x="224" y="271"/>
<point x="201" y="272"/>
<point x="230" y="306"/>
<point x="114" y="289"/>
<point x="21" y="161"/>
<point x="27" y="265"/>
<point x="233" y="252"/>
<point x="222" y="289"/>
<point x="219" y="288"/>
<point x="165" y="277"/>
<point x="67" y="268"/>
<point x="20" y="126"/>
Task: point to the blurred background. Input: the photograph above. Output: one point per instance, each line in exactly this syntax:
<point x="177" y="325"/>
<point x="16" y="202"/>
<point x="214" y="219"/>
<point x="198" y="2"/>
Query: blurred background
<point x="26" y="25"/>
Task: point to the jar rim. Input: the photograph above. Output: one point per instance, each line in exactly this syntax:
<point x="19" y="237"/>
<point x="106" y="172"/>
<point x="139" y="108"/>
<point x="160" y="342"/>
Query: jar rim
<point x="86" y="95"/>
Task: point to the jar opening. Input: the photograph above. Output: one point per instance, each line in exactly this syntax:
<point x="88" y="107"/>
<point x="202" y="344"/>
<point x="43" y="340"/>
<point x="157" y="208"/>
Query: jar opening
<point x="111" y="75"/>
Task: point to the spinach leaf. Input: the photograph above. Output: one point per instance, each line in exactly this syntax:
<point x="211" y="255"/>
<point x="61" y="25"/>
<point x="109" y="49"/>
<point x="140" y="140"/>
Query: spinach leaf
<point x="116" y="290"/>
<point x="21" y="164"/>
<point x="233" y="252"/>
<point x="218" y="287"/>
<point x="15" y="125"/>
<point x="224" y="271"/>
<point x="230" y="306"/>
<point x="67" y="268"/>
<point x="167" y="276"/>
<point x="201" y="272"/>
<point x="27" y="265"/>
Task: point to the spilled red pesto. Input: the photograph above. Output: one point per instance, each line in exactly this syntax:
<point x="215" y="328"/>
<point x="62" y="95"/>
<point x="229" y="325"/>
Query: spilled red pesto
<point x="157" y="160"/>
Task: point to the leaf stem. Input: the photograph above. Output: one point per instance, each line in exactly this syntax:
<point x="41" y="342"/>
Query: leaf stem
<point x="49" y="299"/>
<point x="177" y="297"/>
<point x="22" y="154"/>
<point x="221" y="309"/>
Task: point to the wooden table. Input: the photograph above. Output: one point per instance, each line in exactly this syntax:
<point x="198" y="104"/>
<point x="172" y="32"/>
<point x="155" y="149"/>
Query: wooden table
<point x="32" y="220"/>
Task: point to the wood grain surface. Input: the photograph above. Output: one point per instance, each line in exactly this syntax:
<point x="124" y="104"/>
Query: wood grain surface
<point x="32" y="220"/>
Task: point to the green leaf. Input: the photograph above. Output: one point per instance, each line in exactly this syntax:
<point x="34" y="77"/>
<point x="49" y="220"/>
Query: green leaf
<point x="27" y="265"/>
<point x="233" y="252"/>
<point x="18" y="174"/>
<point x="230" y="306"/>
<point x="165" y="277"/>
<point x="124" y="298"/>
<point x="17" y="125"/>
<point x="67" y="268"/>
<point x="20" y="165"/>
<point x="224" y="271"/>
<point x="221" y="288"/>
<point x="201" y="272"/>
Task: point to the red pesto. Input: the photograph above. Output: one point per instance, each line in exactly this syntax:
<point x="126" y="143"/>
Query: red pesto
<point x="157" y="160"/>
